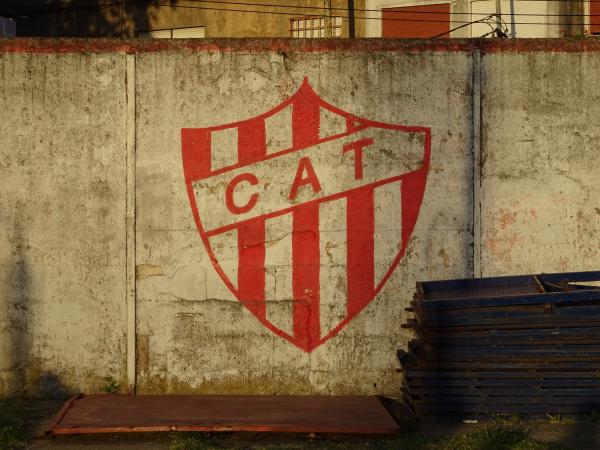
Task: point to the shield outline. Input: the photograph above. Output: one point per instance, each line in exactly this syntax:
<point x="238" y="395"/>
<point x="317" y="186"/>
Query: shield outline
<point x="416" y="178"/>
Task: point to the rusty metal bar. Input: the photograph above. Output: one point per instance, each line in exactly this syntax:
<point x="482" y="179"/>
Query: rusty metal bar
<point x="61" y="412"/>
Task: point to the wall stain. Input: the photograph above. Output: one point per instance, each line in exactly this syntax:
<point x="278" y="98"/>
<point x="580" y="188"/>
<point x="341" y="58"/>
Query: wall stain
<point x="143" y="271"/>
<point x="445" y="257"/>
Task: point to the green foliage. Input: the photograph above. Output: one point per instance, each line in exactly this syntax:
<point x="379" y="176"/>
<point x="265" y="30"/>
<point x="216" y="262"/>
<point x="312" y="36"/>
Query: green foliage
<point x="508" y="419"/>
<point x="12" y="437"/>
<point x="593" y="417"/>
<point x="13" y="433"/>
<point x="111" y="386"/>
<point x="560" y="419"/>
<point x="191" y="441"/>
<point x="494" y="438"/>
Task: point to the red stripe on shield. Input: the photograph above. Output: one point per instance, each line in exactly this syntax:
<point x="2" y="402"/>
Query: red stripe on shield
<point x="306" y="264"/>
<point x="306" y="117"/>
<point x="196" y="153"/>
<point x="251" y="266"/>
<point x="413" y="189"/>
<point x="360" y="245"/>
<point x="252" y="141"/>
<point x="251" y="235"/>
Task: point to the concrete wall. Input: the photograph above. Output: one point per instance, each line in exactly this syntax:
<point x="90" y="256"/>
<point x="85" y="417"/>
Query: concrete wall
<point x="540" y="202"/>
<point x="125" y="255"/>
<point x="62" y="197"/>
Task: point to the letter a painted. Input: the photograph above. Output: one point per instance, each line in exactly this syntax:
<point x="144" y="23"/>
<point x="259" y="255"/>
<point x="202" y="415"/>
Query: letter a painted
<point x="301" y="180"/>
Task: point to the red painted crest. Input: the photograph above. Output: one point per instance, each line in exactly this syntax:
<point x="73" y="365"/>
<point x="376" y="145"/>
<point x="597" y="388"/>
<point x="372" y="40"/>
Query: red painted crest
<point x="306" y="210"/>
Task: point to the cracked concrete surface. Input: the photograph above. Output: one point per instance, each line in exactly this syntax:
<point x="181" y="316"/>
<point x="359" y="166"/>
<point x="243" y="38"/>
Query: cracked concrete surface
<point x="63" y="141"/>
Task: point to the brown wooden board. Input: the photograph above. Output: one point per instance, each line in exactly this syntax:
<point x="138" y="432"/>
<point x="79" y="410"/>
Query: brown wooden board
<point x="106" y="413"/>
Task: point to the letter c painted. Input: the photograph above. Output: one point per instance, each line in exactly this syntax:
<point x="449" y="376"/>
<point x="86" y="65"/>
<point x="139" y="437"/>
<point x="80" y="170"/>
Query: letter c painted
<point x="237" y="209"/>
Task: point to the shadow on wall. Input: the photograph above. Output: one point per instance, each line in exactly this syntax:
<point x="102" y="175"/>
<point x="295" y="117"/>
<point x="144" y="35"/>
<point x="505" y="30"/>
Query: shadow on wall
<point x="22" y="375"/>
<point x="73" y="18"/>
<point x="18" y="307"/>
<point x="50" y="386"/>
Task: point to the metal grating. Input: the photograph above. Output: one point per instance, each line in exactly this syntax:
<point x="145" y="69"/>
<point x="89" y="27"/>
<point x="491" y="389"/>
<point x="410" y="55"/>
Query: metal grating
<point x="506" y="345"/>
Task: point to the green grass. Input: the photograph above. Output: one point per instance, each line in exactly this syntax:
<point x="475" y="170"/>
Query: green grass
<point x="111" y="386"/>
<point x="508" y="419"/>
<point x="13" y="432"/>
<point x="560" y="419"/>
<point x="494" y="438"/>
<point x="593" y="417"/>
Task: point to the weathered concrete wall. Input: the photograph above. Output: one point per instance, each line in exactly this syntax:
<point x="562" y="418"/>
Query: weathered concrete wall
<point x="264" y="252"/>
<point x="62" y="197"/>
<point x="194" y="334"/>
<point x="540" y="140"/>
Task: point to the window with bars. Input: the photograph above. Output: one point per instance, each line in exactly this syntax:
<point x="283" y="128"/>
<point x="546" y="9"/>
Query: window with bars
<point x="314" y="27"/>
<point x="174" y="33"/>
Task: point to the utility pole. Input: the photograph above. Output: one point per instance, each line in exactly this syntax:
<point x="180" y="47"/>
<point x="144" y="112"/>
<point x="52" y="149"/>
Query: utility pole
<point x="513" y="31"/>
<point x="351" y="28"/>
<point x="498" y="18"/>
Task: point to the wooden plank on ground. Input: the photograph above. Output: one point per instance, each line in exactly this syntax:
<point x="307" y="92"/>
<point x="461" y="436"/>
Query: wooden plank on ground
<point x="107" y="413"/>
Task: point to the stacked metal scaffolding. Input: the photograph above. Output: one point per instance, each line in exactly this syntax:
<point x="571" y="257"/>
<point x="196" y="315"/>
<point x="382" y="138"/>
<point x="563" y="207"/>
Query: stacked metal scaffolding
<point x="509" y="345"/>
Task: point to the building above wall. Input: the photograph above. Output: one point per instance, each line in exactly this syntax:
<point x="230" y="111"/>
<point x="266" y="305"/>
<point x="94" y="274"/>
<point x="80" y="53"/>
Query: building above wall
<point x="481" y="18"/>
<point x="160" y="18"/>
<point x="8" y="27"/>
<point x="304" y="18"/>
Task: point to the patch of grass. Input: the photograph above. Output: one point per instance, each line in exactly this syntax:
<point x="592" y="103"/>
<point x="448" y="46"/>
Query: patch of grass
<point x="508" y="419"/>
<point x="191" y="441"/>
<point x="12" y="437"/>
<point x="560" y="419"/>
<point x="494" y="438"/>
<point x="111" y="386"/>
<point x="593" y="417"/>
<point x="13" y="433"/>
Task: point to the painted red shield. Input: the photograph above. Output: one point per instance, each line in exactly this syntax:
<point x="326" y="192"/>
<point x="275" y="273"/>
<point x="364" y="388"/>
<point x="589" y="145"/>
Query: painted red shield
<point x="306" y="210"/>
